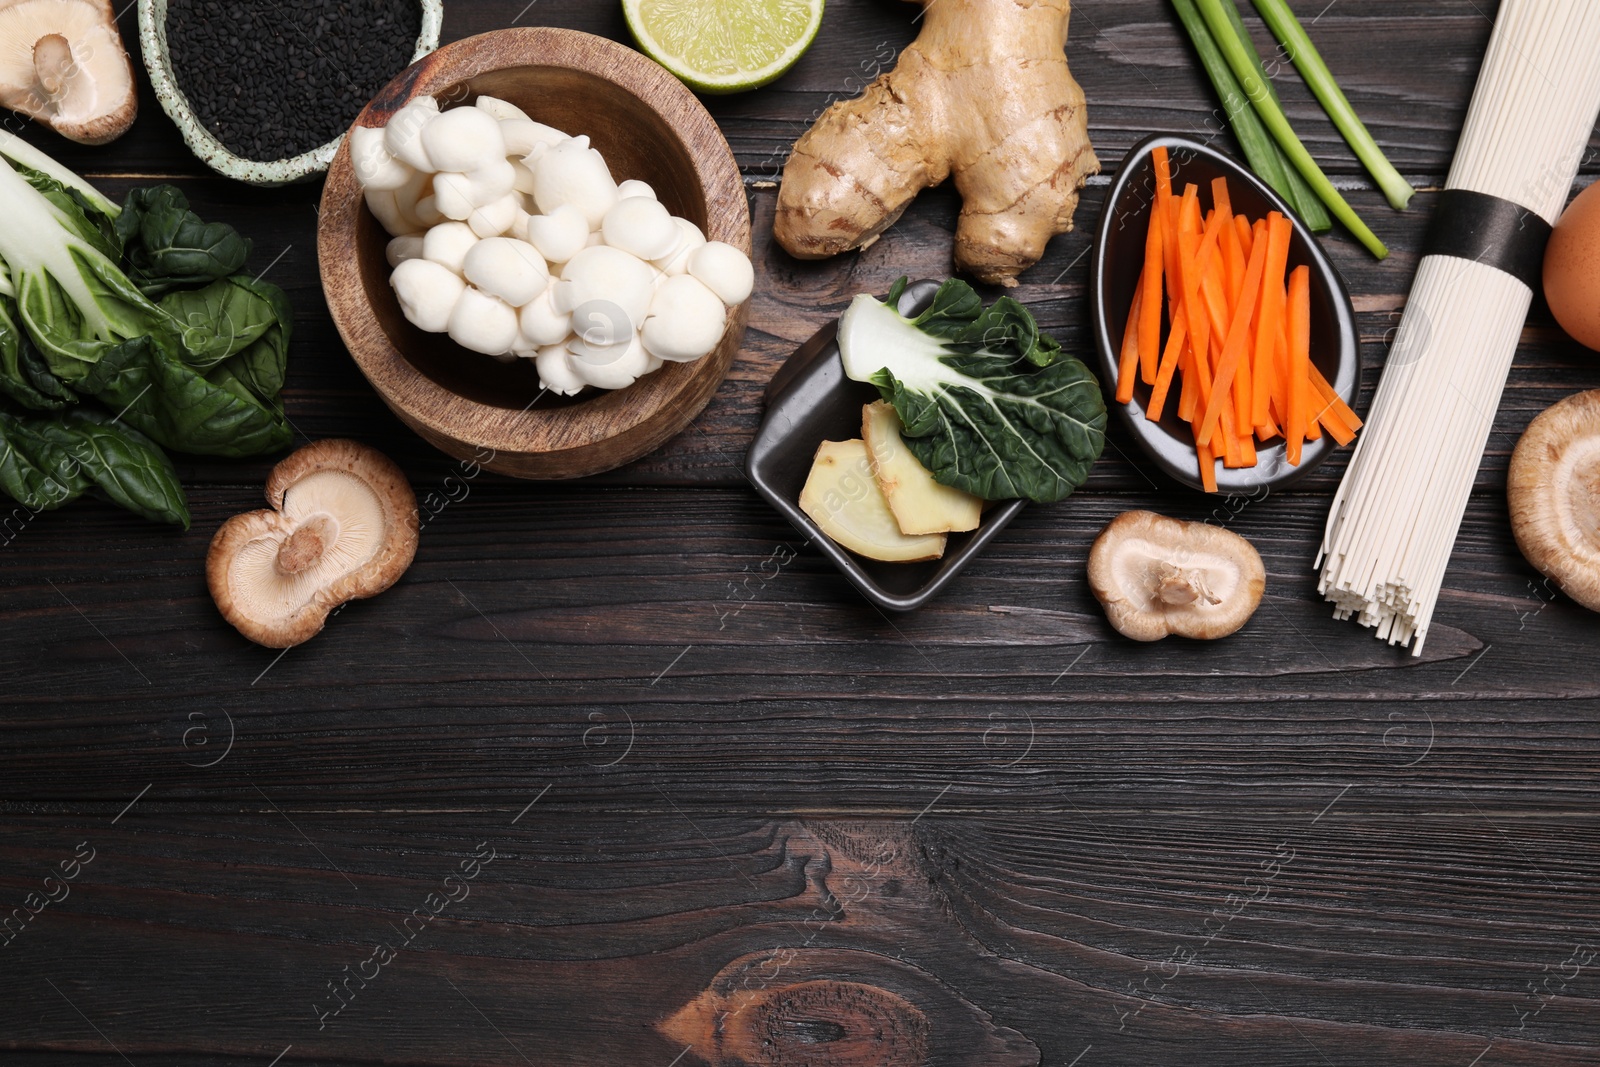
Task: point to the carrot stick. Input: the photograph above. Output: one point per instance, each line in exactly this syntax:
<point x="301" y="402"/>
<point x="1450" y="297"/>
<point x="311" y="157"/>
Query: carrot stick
<point x="1188" y="268"/>
<point x="1169" y="364"/>
<point x="1208" y="468"/>
<point x="1233" y="348"/>
<point x="1313" y="427"/>
<point x="1158" y="159"/>
<point x="1213" y="283"/>
<point x="1233" y="455"/>
<point x="1271" y="302"/>
<point x="1299" y="329"/>
<point x="1247" y="447"/>
<point x="1335" y="401"/>
<point x="1246" y="234"/>
<point x="1335" y="426"/>
<point x="1228" y="241"/>
<point x="1130" y="359"/>
<point x="1219" y="196"/>
<point x="1149" y="315"/>
<point x="1190" y="396"/>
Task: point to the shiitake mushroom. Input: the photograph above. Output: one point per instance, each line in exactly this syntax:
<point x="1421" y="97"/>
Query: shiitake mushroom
<point x="1157" y="576"/>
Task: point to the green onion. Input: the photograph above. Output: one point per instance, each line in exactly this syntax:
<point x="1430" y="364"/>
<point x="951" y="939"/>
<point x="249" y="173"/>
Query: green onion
<point x="1292" y="36"/>
<point x="1259" y="149"/>
<point x="1305" y="201"/>
<point x="1273" y="118"/>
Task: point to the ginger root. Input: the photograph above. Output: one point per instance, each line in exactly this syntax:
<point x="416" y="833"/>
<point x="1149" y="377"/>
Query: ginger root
<point x="983" y="93"/>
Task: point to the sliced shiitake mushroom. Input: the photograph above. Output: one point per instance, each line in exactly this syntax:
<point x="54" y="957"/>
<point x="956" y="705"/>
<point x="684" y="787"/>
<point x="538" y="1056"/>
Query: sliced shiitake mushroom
<point x="1553" y="490"/>
<point x="1157" y="576"/>
<point x="342" y="526"/>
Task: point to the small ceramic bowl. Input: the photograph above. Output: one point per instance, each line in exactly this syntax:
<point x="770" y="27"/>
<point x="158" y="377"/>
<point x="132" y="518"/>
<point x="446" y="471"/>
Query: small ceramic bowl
<point x="201" y="141"/>
<point x="809" y="401"/>
<point x="648" y="126"/>
<point x="1119" y="257"/>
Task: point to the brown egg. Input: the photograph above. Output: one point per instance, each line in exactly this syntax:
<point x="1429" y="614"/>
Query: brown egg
<point x="1572" y="268"/>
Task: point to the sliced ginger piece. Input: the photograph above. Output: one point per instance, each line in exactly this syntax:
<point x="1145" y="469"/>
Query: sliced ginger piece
<point x="843" y="498"/>
<point x="920" y="504"/>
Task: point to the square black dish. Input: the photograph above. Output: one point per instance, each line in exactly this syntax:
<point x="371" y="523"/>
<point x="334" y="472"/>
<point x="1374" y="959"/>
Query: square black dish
<point x="1118" y="259"/>
<point x="809" y="401"/>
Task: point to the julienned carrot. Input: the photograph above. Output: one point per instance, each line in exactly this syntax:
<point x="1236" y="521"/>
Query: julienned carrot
<point x="1130" y="361"/>
<point x="1239" y="338"/>
<point x="1242" y="224"/>
<point x="1335" y="401"/>
<point x="1148" y="319"/>
<point x="1270" y="303"/>
<point x="1169" y="364"/>
<point x="1188" y="268"/>
<point x="1208" y="468"/>
<point x="1158" y="157"/>
<point x="1232" y="258"/>
<point x="1299" y="338"/>
<point x="1214" y="294"/>
<point x="1233" y="348"/>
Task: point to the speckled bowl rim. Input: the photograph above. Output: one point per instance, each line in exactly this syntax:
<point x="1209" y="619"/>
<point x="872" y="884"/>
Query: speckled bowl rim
<point x="209" y="150"/>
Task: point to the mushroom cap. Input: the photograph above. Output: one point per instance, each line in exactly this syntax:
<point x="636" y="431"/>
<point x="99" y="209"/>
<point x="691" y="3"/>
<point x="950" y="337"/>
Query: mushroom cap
<point x="1157" y="576"/>
<point x="1553" y="490"/>
<point x="342" y="526"/>
<point x="62" y="62"/>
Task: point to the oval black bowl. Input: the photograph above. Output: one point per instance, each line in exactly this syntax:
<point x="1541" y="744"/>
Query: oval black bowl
<point x="1118" y="259"/>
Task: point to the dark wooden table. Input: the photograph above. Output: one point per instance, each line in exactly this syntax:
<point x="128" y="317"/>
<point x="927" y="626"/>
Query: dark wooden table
<point x="724" y="811"/>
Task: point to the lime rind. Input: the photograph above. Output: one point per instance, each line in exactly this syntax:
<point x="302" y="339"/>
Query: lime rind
<point x="724" y="46"/>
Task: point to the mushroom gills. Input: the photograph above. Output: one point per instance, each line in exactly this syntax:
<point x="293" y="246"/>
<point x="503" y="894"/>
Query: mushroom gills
<point x="277" y="574"/>
<point x="1156" y="576"/>
<point x="1172" y="578"/>
<point x="842" y="497"/>
<point x="62" y="62"/>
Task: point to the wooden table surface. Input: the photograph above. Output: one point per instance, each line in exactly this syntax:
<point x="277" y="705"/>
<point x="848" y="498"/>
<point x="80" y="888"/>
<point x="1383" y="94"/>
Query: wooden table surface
<point x="703" y="804"/>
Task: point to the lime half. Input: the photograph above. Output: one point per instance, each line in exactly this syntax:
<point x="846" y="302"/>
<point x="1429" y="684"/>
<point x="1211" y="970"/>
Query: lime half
<point x="724" y="46"/>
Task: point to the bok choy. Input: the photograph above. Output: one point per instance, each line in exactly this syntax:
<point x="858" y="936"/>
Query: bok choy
<point x="989" y="404"/>
<point x="139" y="309"/>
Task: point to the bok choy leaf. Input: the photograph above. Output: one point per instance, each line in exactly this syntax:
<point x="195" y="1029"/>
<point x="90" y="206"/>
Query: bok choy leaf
<point x="989" y="404"/>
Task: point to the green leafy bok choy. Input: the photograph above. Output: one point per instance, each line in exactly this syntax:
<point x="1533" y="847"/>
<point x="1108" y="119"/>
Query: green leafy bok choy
<point x="137" y="308"/>
<point x="989" y="404"/>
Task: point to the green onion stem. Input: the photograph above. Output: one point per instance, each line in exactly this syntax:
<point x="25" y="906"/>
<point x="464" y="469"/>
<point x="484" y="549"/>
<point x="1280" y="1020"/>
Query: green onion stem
<point x="1260" y="151"/>
<point x="1305" y="201"/>
<point x="1273" y="118"/>
<point x="1292" y="36"/>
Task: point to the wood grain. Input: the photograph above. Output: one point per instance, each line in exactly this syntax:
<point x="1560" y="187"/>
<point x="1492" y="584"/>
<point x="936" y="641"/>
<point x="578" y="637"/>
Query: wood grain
<point x="1122" y="938"/>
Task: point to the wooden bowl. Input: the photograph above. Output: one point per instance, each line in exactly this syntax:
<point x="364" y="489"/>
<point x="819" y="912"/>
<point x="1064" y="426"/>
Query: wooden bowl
<point x="648" y="126"/>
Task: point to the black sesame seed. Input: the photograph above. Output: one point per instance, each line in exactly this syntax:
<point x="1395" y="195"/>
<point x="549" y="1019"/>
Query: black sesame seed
<point x="275" y="78"/>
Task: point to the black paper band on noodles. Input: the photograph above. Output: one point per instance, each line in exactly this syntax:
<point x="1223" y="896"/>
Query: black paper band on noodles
<point x="1487" y="229"/>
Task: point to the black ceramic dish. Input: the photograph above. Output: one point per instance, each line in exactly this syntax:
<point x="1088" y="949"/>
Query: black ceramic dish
<point x="809" y="401"/>
<point x="1118" y="259"/>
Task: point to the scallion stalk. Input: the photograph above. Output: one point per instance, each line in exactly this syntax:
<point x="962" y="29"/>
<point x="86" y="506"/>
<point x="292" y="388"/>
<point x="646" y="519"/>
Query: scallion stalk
<point x="1260" y="150"/>
<point x="1292" y="36"/>
<point x="1277" y="123"/>
<point x="1305" y="201"/>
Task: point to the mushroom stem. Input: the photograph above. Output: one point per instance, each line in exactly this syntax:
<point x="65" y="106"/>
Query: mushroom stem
<point x="53" y="62"/>
<point x="1174" y="586"/>
<point x="304" y="547"/>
